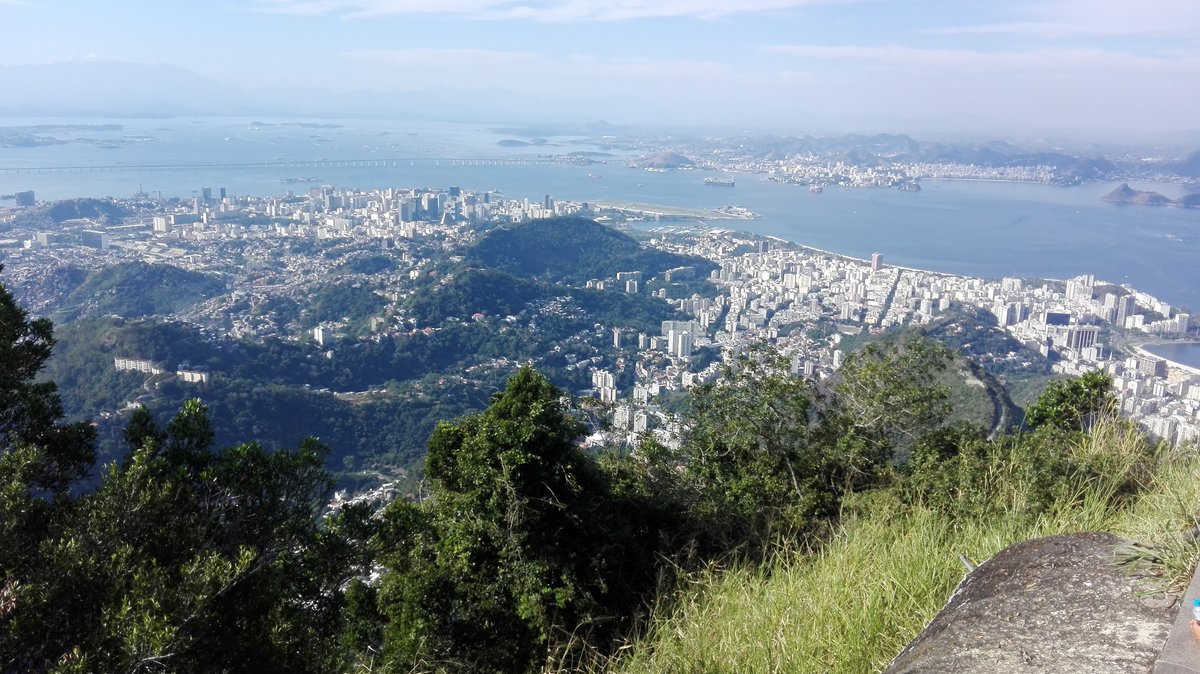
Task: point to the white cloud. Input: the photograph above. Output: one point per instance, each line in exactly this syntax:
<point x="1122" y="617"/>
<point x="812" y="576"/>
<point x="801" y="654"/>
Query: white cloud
<point x="1055" y="87"/>
<point x="617" y="88"/>
<point x="1092" y="19"/>
<point x="441" y="58"/>
<point x="967" y="60"/>
<point x="538" y="68"/>
<point x="485" y="64"/>
<point x="628" y="84"/>
<point x="539" y="10"/>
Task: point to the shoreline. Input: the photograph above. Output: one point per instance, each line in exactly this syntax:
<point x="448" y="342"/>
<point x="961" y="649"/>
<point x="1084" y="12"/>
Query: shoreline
<point x="994" y="180"/>
<point x="681" y="212"/>
<point x="864" y="260"/>
<point x="1170" y="363"/>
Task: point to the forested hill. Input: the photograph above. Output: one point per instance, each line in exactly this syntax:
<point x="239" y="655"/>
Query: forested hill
<point x="434" y="353"/>
<point x="134" y="289"/>
<point x="572" y="250"/>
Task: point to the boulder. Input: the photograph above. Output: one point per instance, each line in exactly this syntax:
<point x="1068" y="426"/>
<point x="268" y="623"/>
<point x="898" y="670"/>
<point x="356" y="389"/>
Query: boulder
<point x="1058" y="604"/>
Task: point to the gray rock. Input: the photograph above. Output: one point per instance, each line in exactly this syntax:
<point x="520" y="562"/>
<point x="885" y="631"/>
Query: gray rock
<point x="1058" y="604"/>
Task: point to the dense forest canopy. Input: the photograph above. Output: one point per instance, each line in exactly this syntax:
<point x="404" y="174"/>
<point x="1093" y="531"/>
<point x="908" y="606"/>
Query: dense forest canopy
<point x="572" y="250"/>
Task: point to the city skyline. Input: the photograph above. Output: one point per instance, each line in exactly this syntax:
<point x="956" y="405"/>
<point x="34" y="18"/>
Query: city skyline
<point x="1066" y="67"/>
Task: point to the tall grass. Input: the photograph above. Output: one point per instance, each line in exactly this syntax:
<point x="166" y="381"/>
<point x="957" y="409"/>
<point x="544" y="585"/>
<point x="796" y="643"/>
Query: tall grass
<point x="1166" y="519"/>
<point x="853" y="604"/>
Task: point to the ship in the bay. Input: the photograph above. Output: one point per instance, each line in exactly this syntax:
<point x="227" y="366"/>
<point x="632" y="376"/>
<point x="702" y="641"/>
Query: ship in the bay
<point x="719" y="182"/>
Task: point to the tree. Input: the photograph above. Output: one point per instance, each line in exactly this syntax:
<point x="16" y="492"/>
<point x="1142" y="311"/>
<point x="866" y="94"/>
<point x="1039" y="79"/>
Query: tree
<point x="190" y="559"/>
<point x="768" y="453"/>
<point x="748" y="455"/>
<point x="507" y="556"/>
<point x="183" y="558"/>
<point x="888" y="394"/>
<point x="1073" y="404"/>
<point x="31" y="411"/>
<point x="41" y="461"/>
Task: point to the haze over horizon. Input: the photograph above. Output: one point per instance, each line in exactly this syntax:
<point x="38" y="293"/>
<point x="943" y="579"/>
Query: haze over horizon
<point x="1098" y="69"/>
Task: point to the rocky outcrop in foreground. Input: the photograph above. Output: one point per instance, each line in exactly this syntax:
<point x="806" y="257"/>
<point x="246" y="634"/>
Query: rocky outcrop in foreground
<point x="1059" y="604"/>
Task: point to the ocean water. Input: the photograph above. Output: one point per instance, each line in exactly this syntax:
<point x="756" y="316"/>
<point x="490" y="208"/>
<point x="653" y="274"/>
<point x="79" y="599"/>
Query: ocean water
<point x="987" y="229"/>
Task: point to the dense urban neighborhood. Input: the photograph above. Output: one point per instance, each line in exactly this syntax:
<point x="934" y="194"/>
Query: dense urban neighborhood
<point x="251" y="265"/>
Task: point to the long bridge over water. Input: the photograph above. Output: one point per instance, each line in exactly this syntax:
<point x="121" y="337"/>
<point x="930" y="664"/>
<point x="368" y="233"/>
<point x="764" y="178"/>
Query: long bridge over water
<point x="280" y="164"/>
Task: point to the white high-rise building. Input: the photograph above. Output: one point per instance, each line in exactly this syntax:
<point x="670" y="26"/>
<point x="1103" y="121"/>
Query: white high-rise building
<point x="622" y="417"/>
<point x="1081" y="287"/>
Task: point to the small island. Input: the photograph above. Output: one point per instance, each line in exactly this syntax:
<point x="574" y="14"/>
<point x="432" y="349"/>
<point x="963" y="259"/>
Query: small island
<point x="508" y="142"/>
<point x="663" y="161"/>
<point x="1124" y="194"/>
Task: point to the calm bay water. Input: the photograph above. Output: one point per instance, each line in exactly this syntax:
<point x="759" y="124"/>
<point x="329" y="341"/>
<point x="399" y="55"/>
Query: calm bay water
<point x="987" y="229"/>
<point x="1184" y="353"/>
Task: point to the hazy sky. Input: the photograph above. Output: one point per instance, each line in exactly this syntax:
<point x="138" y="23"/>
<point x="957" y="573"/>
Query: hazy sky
<point x="1038" y="65"/>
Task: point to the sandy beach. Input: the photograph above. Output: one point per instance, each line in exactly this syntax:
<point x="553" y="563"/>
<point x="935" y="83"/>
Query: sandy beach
<point x="1170" y="363"/>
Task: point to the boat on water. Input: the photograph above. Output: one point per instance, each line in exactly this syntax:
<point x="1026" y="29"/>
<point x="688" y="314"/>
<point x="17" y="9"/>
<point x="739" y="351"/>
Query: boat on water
<point x="816" y="189"/>
<point x="719" y="182"/>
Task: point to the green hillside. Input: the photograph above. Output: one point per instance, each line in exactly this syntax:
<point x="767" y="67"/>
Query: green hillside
<point x="989" y="366"/>
<point x="276" y="390"/>
<point x="280" y="391"/>
<point x="82" y="364"/>
<point x="495" y="293"/>
<point x="473" y="290"/>
<point x="134" y="289"/>
<point x="104" y="210"/>
<point x="351" y="303"/>
<point x="572" y="250"/>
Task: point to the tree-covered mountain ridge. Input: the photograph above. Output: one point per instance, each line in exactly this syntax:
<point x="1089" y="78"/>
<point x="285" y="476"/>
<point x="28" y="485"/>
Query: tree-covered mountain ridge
<point x="373" y="395"/>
